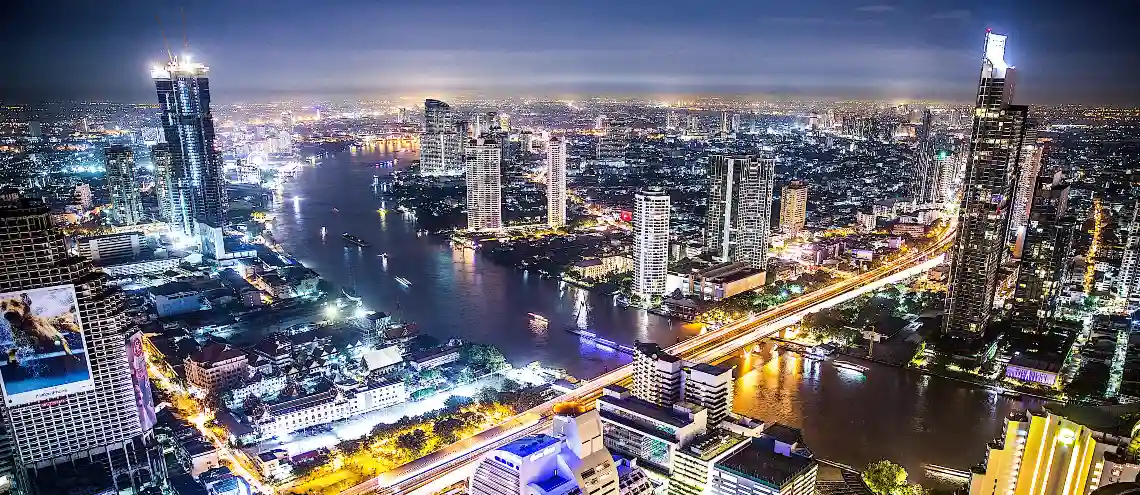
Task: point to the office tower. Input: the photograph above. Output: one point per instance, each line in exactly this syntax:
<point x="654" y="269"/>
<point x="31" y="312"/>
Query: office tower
<point x="126" y="203"/>
<point x="725" y="122"/>
<point x="650" y="242"/>
<point x="572" y="460"/>
<point x="984" y="210"/>
<point x="1052" y="452"/>
<point x="1044" y="255"/>
<point x="710" y="387"/>
<point x="83" y="196"/>
<point x="556" y="183"/>
<point x="83" y="431"/>
<point x="658" y="377"/>
<point x="652" y="434"/>
<point x="163" y="180"/>
<point x="737" y="223"/>
<point x="793" y="207"/>
<point x="694" y="125"/>
<point x="612" y="144"/>
<point x="484" y="185"/>
<point x="946" y="167"/>
<point x="441" y="144"/>
<point x="198" y="187"/>
<point x="735" y="122"/>
<point x="672" y="121"/>
<point x="925" y="175"/>
<point x="1028" y="166"/>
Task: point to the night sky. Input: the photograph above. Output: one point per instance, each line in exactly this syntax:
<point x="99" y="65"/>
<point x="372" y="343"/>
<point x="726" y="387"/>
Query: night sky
<point x="1066" y="51"/>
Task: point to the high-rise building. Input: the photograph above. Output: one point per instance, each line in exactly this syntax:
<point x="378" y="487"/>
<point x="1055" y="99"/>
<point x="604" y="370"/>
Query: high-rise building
<point x="1047" y="244"/>
<point x="984" y="209"/>
<point x="84" y="198"/>
<point x="926" y="174"/>
<point x="198" y="186"/>
<point x="793" y="207"/>
<point x="738" y="220"/>
<point x="1128" y="282"/>
<point x="84" y="430"/>
<point x="925" y="132"/>
<point x="672" y="121"/>
<point x="1057" y="451"/>
<point x="663" y="379"/>
<point x="693" y="127"/>
<point x="775" y="463"/>
<point x="484" y="185"/>
<point x="613" y="143"/>
<point x="735" y="122"/>
<point x="163" y="180"/>
<point x="710" y="387"/>
<point x="556" y="182"/>
<point x="441" y="144"/>
<point x="725" y="123"/>
<point x="1029" y="167"/>
<point x="650" y="242"/>
<point x="126" y="200"/>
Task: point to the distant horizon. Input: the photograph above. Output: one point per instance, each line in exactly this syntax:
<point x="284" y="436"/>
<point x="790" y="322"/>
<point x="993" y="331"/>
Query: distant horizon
<point x="817" y="49"/>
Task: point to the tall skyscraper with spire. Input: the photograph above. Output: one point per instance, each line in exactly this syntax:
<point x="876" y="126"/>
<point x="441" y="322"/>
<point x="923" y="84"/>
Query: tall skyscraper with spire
<point x="70" y="408"/>
<point x="738" y="220"/>
<point x="198" y="199"/>
<point x="988" y="194"/>
<point x="556" y="182"/>
<point x="126" y="200"/>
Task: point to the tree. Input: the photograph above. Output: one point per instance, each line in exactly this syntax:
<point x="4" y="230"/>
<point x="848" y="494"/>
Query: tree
<point x="446" y="429"/>
<point x="884" y="478"/>
<point x="414" y="441"/>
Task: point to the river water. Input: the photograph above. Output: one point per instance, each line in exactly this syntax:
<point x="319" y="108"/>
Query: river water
<point x="846" y="417"/>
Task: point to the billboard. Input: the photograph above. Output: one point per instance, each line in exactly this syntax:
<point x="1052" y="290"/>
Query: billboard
<point x="44" y="350"/>
<point x="143" y="398"/>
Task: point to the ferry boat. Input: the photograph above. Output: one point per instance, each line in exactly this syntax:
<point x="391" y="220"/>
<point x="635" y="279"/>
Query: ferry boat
<point x="403" y="281"/>
<point x="350" y="294"/>
<point x="847" y="365"/>
<point x="355" y="240"/>
<point x="537" y="317"/>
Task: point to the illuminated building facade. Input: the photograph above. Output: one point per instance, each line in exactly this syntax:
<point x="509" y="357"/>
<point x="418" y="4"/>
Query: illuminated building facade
<point x="738" y="220"/>
<point x="1071" y="452"/>
<point x="556" y="182"/>
<point x="1128" y="283"/>
<point x="441" y="144"/>
<point x="1028" y="168"/>
<point x="1047" y="245"/>
<point x="198" y="186"/>
<point x="988" y="191"/>
<point x="126" y="200"/>
<point x="484" y="185"/>
<point x="613" y="143"/>
<point x="650" y="242"/>
<point x="86" y="439"/>
<point x="163" y="180"/>
<point x="793" y="207"/>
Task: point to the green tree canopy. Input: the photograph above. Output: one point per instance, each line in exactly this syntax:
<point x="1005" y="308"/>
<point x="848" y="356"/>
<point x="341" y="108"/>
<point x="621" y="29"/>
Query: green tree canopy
<point x="885" y="478"/>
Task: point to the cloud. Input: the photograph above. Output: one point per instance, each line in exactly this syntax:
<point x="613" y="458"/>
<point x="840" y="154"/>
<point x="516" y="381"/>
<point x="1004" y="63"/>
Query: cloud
<point x="824" y="21"/>
<point x="956" y="15"/>
<point x="876" y="8"/>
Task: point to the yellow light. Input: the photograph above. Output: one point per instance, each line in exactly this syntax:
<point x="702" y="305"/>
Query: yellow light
<point x="1066" y="436"/>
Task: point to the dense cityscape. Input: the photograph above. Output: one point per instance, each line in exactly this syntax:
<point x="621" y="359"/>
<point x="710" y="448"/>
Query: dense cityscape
<point x="691" y="295"/>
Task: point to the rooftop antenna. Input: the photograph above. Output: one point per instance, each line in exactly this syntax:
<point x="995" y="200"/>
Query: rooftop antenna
<point x="165" y="43"/>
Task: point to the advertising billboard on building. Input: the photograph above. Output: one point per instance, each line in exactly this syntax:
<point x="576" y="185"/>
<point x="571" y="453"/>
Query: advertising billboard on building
<point x="143" y="398"/>
<point x="45" y="352"/>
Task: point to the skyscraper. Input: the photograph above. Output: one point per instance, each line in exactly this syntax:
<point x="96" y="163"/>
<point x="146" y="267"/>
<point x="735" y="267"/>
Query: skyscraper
<point x="1028" y="167"/>
<point x="650" y="242"/>
<point x="738" y="220"/>
<point x="126" y="201"/>
<point x="725" y="123"/>
<point x="198" y="188"/>
<point x="984" y="210"/>
<point x="441" y="144"/>
<point x="84" y="429"/>
<point x="793" y="207"/>
<point x="1048" y="241"/>
<point x="160" y="157"/>
<point x="484" y="185"/>
<point x="925" y="174"/>
<point x="556" y="182"/>
<point x="612" y="144"/>
<point x="1128" y="283"/>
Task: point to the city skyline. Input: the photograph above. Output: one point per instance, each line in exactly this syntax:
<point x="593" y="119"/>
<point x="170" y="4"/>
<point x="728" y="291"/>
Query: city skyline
<point x="828" y="49"/>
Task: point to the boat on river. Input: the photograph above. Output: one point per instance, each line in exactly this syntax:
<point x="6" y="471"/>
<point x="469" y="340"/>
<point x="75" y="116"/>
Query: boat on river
<point x="849" y="366"/>
<point x="403" y="281"/>
<point x="355" y="240"/>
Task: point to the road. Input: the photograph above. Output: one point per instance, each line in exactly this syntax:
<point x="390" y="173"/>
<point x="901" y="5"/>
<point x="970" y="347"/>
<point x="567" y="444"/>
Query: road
<point x="434" y="469"/>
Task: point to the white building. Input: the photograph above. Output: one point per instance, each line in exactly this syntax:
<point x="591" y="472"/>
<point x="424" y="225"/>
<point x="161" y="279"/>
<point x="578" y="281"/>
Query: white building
<point x="126" y="200"/>
<point x="484" y="185"/>
<point x="556" y="182"/>
<point x="441" y="144"/>
<point x="216" y="368"/>
<point x="331" y="405"/>
<point x="650" y="242"/>
<point x="126" y="245"/>
<point x="650" y="433"/>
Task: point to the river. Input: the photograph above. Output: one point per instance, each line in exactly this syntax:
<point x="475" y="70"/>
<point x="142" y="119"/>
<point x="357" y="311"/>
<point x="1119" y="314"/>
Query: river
<point x="847" y="417"/>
